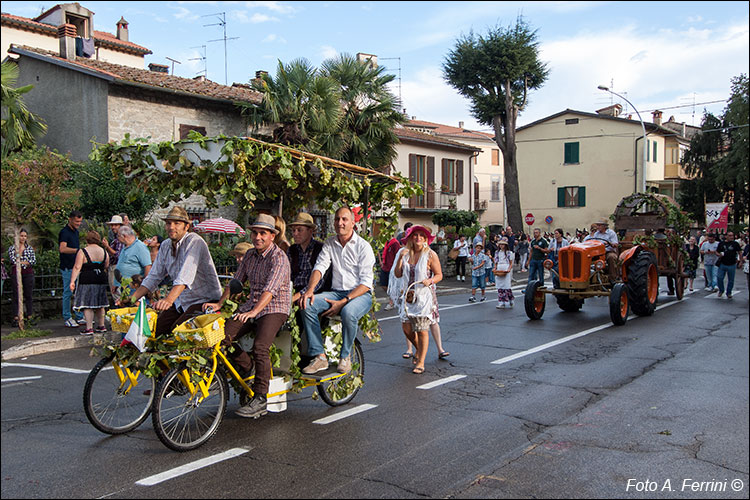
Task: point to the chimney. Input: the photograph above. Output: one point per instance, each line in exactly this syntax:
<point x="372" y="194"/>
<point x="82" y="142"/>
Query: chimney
<point x="122" y="29"/>
<point x="368" y="59"/>
<point x="657" y="117"/>
<point x="158" y="68"/>
<point x="67" y="33"/>
<point x="260" y="74"/>
<point x="461" y="125"/>
<point x="684" y="131"/>
<point x="200" y="78"/>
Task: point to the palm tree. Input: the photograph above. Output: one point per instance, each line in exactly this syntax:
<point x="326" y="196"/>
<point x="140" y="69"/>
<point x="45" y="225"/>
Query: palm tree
<point x="19" y="127"/>
<point x="370" y="113"/>
<point x="300" y="106"/>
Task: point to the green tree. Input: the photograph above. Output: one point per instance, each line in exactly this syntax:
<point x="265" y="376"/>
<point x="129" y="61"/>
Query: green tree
<point x="299" y="106"/>
<point x="365" y="135"/>
<point x="19" y="127"/>
<point x="457" y="218"/>
<point x="733" y="169"/>
<point x="700" y="161"/>
<point x="496" y="72"/>
<point x="104" y="194"/>
<point x="33" y="190"/>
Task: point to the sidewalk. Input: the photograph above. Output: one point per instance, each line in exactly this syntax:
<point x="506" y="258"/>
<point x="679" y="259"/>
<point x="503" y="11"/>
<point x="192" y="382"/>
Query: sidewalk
<point x="69" y="338"/>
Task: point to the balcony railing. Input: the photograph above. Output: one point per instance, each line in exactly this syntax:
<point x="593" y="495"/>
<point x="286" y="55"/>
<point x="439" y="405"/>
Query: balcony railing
<point x="480" y="205"/>
<point x="433" y="200"/>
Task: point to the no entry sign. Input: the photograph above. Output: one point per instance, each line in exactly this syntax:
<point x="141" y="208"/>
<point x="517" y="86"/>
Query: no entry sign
<point x="529" y="219"/>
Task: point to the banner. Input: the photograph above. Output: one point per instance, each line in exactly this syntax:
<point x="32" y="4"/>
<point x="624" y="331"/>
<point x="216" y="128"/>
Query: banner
<point x="139" y="329"/>
<point x="717" y="216"/>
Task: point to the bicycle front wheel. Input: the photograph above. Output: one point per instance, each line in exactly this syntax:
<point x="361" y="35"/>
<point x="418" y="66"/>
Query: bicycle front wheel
<point x="184" y="420"/>
<point x="115" y="405"/>
<point x="341" y="390"/>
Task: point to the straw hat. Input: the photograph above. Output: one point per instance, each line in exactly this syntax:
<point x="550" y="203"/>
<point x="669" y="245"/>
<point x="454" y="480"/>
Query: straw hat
<point x="303" y="219"/>
<point x="116" y="219"/>
<point x="265" y="221"/>
<point x="179" y="214"/>
<point x="602" y="222"/>
<point x="241" y="249"/>
<point x="503" y="241"/>
<point x="424" y="230"/>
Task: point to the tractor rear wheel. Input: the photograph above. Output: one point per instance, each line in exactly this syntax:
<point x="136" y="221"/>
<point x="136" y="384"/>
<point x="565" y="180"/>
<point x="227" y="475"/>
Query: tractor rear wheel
<point x="643" y="284"/>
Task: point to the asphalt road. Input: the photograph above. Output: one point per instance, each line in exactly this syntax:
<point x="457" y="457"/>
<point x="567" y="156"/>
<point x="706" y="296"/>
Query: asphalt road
<point x="565" y="407"/>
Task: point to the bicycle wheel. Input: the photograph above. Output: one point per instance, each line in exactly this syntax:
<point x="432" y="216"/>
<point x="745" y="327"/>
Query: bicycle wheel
<point x="182" y="420"/>
<point x="114" y="406"/>
<point x="341" y="390"/>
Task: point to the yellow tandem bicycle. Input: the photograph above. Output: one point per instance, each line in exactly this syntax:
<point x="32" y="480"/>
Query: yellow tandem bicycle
<point x="187" y="405"/>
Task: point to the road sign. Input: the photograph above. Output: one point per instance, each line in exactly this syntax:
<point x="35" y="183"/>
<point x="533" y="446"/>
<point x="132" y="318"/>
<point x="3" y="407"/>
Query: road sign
<point x="548" y="219"/>
<point x="529" y="218"/>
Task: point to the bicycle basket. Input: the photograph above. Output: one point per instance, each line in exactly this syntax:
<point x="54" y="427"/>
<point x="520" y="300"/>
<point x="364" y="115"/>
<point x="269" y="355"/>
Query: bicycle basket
<point x="123" y="317"/>
<point x="205" y="330"/>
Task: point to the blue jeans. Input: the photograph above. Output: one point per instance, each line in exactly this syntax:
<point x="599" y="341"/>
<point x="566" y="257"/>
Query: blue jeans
<point x="710" y="275"/>
<point x="350" y="315"/>
<point x="490" y="276"/>
<point x="725" y="269"/>
<point x="536" y="271"/>
<point x="478" y="282"/>
<point x="67" y="295"/>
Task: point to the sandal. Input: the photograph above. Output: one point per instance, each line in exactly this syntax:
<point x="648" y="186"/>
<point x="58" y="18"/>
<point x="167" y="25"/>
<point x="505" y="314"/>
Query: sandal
<point x="407" y="355"/>
<point x="444" y="355"/>
<point x="418" y="371"/>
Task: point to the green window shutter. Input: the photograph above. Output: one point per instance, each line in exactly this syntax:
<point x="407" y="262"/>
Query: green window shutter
<point x="572" y="152"/>
<point x="648" y="149"/>
<point x="655" y="151"/>
<point x="581" y="196"/>
<point x="561" y="197"/>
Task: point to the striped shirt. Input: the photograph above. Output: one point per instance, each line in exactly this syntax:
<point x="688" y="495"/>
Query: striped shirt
<point x="267" y="272"/>
<point x="27" y="255"/>
<point x="191" y="266"/>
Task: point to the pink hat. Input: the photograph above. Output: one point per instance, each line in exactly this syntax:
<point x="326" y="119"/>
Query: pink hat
<point x="428" y="234"/>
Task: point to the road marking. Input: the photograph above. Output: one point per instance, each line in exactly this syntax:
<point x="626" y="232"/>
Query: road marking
<point x="44" y="367"/>
<point x="723" y="297"/>
<point x="18" y="379"/>
<point x="441" y="381"/>
<point x="344" y="414"/>
<point x="563" y="340"/>
<point x="192" y="466"/>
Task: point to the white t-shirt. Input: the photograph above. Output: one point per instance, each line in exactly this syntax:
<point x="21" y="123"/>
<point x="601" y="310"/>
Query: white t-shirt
<point x="463" y="248"/>
<point x="710" y="259"/>
<point x="502" y="261"/>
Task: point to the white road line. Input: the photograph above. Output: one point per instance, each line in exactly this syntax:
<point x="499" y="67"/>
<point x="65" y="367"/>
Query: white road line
<point x="554" y="343"/>
<point x="18" y="379"/>
<point x="44" y="367"/>
<point x="440" y="382"/>
<point x="344" y="414"/>
<point x="723" y="297"/>
<point x="192" y="466"/>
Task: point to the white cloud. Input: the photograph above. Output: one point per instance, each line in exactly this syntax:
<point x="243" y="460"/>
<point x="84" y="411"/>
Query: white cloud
<point x="273" y="38"/>
<point x="184" y="14"/>
<point x="278" y="7"/>
<point x="328" y="52"/>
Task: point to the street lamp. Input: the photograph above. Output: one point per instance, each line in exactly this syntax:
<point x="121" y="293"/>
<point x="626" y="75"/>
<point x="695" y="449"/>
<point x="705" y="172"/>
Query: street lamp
<point x="645" y="152"/>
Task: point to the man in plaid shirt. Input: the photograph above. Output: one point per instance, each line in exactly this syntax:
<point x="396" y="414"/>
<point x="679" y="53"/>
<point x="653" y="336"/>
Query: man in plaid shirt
<point x="266" y="269"/>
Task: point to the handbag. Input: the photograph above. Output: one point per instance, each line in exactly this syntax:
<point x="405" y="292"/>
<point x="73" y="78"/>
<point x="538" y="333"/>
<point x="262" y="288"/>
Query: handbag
<point x="418" y="302"/>
<point x="453" y="253"/>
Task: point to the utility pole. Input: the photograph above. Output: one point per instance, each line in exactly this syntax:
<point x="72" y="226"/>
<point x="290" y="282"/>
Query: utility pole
<point x="223" y="23"/>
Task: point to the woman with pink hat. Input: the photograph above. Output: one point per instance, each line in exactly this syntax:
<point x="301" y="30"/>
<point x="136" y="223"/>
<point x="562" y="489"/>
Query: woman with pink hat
<point x="418" y="266"/>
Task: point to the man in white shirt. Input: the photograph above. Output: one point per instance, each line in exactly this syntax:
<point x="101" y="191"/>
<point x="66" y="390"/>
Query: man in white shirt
<point x="352" y="261"/>
<point x="611" y="243"/>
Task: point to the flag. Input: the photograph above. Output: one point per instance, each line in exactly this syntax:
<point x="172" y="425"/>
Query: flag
<point x="139" y="329"/>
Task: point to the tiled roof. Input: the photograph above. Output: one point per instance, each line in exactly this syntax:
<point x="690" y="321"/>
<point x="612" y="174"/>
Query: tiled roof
<point x="101" y="38"/>
<point x="441" y="129"/>
<point x="406" y="134"/>
<point x="153" y="79"/>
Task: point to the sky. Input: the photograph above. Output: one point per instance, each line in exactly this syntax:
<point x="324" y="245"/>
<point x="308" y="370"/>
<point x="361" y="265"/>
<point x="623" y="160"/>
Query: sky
<point x="678" y="57"/>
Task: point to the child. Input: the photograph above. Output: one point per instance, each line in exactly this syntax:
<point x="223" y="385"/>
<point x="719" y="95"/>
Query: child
<point x="503" y="271"/>
<point x="489" y="275"/>
<point x="478" y="279"/>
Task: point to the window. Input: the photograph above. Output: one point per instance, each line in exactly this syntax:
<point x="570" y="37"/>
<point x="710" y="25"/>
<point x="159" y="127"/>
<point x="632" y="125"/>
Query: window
<point x="185" y="130"/>
<point x="495" y="188"/>
<point x="422" y="172"/>
<point x="449" y="176"/>
<point x="572" y="152"/>
<point x="654" y="160"/>
<point x="571" y="121"/>
<point x="648" y="149"/>
<point x="496" y="157"/>
<point x="571" y="196"/>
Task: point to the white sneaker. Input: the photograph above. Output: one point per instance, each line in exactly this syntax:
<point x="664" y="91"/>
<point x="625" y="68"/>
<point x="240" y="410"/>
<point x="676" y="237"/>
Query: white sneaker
<point x="71" y="323"/>
<point x="463" y="278"/>
<point x="500" y="305"/>
<point x="388" y="307"/>
<point x="708" y="289"/>
<point x="81" y="321"/>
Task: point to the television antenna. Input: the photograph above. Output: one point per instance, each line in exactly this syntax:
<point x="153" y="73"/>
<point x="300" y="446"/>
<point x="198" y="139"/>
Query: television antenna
<point x="173" y="61"/>
<point x="400" y="102"/>
<point x="223" y="23"/>
<point x="202" y="58"/>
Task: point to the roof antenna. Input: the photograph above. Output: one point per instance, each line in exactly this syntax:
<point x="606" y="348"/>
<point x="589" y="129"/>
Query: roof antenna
<point x="173" y="61"/>
<point x="223" y="23"/>
<point x="202" y="58"/>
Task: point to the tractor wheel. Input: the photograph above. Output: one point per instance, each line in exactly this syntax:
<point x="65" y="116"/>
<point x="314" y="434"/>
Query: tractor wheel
<point x="643" y="284"/>
<point x="618" y="304"/>
<point x="567" y="304"/>
<point x="534" y="300"/>
<point x="679" y="279"/>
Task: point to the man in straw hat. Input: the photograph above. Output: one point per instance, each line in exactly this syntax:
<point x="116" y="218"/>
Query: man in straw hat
<point x="303" y="254"/>
<point x="266" y="269"/>
<point x="351" y="259"/>
<point x="186" y="259"/>
<point x="611" y="243"/>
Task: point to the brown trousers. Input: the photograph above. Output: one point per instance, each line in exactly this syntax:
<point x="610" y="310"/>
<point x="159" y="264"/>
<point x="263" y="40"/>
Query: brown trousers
<point x="266" y="327"/>
<point x="167" y="320"/>
<point x="613" y="270"/>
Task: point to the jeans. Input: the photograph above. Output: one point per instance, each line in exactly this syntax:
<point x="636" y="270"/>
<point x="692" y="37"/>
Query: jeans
<point x="725" y="269"/>
<point x="536" y="271"/>
<point x="67" y="295"/>
<point x="710" y="275"/>
<point x="490" y="276"/>
<point x="350" y="315"/>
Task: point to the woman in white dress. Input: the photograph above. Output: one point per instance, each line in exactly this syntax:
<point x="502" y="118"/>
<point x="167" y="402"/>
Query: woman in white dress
<point x="503" y="271"/>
